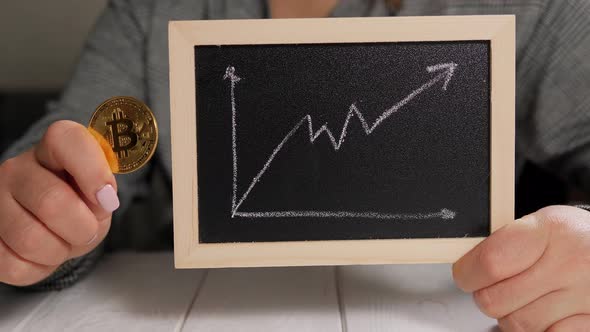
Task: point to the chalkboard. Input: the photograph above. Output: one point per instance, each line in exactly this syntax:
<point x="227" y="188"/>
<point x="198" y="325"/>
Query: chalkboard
<point x="306" y="137"/>
<point x="343" y="141"/>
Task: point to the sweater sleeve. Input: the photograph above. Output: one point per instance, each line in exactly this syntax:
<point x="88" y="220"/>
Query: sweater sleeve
<point x="111" y="64"/>
<point x="553" y="86"/>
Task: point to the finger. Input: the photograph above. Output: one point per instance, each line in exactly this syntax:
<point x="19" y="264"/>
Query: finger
<point x="545" y="311"/>
<point x="578" y="323"/>
<point x="54" y="202"/>
<point x="100" y="213"/>
<point x="19" y="272"/>
<point x="509" y="295"/>
<point x="104" y="223"/>
<point x="507" y="252"/>
<point x="68" y="146"/>
<point x="554" y="270"/>
<point x="28" y="237"/>
<point x="103" y="229"/>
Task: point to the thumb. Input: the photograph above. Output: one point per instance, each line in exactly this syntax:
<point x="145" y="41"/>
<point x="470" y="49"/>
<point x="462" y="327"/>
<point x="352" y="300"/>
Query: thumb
<point x="507" y="252"/>
<point x="68" y="146"/>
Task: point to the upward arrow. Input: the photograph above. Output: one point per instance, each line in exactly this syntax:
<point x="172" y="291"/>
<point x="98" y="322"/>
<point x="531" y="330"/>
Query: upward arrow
<point x="449" y="70"/>
<point x="230" y="72"/>
<point x="446" y="70"/>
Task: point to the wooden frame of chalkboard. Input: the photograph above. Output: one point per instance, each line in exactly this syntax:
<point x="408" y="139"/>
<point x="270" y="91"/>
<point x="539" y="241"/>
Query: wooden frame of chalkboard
<point x="191" y="251"/>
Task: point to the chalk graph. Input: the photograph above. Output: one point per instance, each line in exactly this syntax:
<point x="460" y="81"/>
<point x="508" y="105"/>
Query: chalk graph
<point x="445" y="74"/>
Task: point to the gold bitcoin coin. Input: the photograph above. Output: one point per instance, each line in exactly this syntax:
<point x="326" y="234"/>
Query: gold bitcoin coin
<point x="127" y="132"/>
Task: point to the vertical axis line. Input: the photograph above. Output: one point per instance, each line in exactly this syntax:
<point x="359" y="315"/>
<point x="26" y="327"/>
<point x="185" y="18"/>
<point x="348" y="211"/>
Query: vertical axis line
<point x="230" y="73"/>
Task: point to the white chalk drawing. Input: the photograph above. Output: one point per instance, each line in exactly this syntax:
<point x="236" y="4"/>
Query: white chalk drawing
<point x="446" y="73"/>
<point x="443" y="214"/>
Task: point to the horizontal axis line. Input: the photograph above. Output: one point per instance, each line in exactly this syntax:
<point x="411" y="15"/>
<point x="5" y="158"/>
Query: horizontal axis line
<point x="445" y="214"/>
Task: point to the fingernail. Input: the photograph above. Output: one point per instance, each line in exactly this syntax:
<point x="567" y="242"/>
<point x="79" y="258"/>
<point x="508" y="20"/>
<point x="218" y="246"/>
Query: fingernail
<point x="107" y="198"/>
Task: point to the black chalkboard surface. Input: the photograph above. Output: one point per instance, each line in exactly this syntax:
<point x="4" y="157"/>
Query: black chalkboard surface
<point x="342" y="141"/>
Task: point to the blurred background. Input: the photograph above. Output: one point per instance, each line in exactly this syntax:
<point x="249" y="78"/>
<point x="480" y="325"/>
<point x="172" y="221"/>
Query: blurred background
<point x="42" y="40"/>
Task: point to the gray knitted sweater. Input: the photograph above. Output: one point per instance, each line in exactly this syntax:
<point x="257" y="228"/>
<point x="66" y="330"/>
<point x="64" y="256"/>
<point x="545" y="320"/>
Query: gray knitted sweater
<point x="127" y="54"/>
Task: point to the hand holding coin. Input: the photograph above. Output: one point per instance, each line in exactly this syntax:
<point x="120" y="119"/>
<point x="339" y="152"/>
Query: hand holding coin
<point x="57" y="198"/>
<point x="127" y="132"/>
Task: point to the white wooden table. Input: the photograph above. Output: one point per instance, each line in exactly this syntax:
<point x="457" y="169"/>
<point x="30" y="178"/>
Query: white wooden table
<point x="143" y="292"/>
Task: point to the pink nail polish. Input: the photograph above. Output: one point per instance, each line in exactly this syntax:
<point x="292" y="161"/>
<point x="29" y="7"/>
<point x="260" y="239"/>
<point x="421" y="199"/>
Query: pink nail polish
<point x="107" y="198"/>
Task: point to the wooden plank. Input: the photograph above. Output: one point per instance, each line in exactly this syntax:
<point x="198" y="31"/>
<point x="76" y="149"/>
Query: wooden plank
<point x="17" y="307"/>
<point x="126" y="292"/>
<point x="407" y="298"/>
<point x="267" y="299"/>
